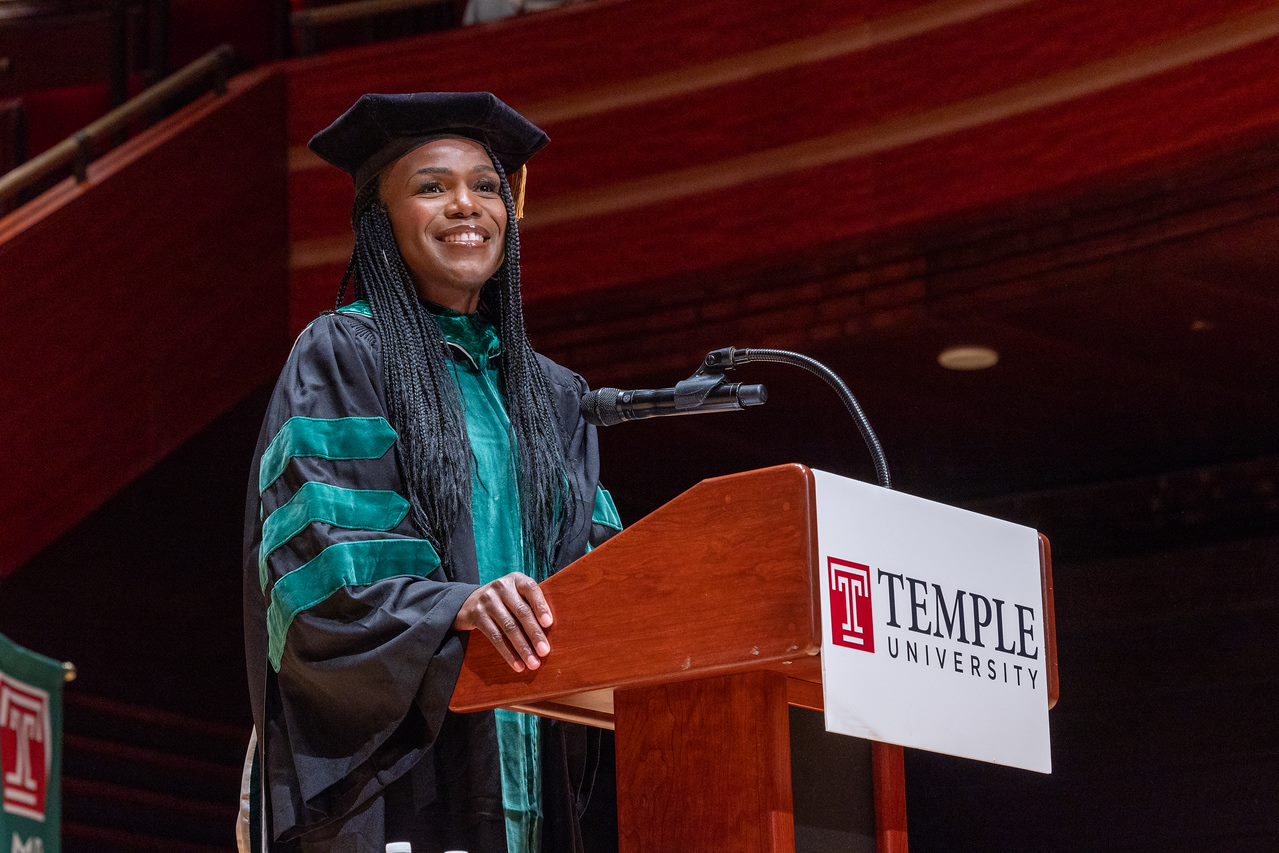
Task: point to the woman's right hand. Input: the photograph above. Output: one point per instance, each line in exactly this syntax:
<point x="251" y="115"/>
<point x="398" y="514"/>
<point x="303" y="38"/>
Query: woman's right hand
<point x="511" y="612"/>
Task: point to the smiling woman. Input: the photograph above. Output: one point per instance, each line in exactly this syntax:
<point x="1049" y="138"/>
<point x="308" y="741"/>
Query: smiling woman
<point x="449" y="220"/>
<point x="358" y="605"/>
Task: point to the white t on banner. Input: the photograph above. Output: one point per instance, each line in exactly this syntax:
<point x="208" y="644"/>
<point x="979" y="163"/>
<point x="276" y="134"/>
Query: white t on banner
<point x="932" y="626"/>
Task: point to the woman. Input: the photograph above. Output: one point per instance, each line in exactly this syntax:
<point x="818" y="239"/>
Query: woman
<point x="418" y="470"/>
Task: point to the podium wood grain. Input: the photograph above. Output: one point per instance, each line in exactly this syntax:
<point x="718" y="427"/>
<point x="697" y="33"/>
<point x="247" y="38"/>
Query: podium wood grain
<point x="723" y="744"/>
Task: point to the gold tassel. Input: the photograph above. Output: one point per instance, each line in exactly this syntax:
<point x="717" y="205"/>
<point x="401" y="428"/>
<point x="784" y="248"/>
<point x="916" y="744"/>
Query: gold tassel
<point x="519" y="195"/>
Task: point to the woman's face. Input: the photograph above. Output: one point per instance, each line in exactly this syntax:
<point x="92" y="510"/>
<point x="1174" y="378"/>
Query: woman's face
<point x="449" y="219"/>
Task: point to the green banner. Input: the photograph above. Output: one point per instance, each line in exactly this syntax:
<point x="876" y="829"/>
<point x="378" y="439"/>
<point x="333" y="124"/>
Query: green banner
<point x="30" y="751"/>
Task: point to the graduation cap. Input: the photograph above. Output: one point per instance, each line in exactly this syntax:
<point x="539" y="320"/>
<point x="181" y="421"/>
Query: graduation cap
<point x="380" y="129"/>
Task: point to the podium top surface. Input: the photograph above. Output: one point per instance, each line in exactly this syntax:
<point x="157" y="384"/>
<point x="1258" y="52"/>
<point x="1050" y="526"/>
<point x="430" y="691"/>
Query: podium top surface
<point x="718" y="580"/>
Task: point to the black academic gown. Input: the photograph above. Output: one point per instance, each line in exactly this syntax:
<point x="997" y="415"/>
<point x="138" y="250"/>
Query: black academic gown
<point x="350" y="697"/>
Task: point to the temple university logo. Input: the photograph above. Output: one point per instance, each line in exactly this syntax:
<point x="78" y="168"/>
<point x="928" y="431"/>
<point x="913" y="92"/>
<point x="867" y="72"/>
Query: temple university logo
<point x="26" y="746"/>
<point x="851" y="622"/>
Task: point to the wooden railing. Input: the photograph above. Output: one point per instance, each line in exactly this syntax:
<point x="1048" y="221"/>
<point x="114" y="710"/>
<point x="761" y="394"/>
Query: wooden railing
<point x="77" y="151"/>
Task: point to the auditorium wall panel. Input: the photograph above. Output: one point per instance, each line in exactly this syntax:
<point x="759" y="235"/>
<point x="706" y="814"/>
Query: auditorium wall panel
<point x="697" y="139"/>
<point x="138" y="306"/>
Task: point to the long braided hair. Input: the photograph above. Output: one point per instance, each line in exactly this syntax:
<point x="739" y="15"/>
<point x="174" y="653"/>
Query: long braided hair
<point x="424" y="402"/>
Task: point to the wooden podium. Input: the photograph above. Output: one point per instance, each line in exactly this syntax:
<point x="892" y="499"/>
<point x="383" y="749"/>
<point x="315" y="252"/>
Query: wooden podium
<point x="690" y="634"/>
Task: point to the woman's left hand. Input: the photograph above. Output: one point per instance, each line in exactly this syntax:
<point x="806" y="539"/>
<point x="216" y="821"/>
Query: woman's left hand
<point x="511" y="611"/>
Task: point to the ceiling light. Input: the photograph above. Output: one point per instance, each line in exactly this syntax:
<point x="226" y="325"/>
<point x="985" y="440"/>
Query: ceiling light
<point x="967" y="358"/>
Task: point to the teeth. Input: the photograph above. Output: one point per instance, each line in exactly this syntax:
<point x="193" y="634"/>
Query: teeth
<point x="464" y="237"/>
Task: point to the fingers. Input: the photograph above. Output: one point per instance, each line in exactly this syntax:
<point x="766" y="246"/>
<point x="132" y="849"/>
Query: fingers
<point x="516" y="596"/>
<point x="511" y="611"/>
<point x="533" y="595"/>
<point x="486" y="626"/>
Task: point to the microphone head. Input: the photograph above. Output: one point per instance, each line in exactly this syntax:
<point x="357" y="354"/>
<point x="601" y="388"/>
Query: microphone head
<point x="752" y="395"/>
<point x="599" y="407"/>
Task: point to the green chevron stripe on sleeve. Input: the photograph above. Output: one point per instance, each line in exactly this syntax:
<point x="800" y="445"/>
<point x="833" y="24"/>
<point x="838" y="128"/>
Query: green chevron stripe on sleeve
<point x="353" y="509"/>
<point x="326" y="438"/>
<point x="605" y="513"/>
<point x="337" y="567"/>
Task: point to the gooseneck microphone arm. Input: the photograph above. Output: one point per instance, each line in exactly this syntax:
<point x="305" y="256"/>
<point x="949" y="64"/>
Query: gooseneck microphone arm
<point x="720" y="360"/>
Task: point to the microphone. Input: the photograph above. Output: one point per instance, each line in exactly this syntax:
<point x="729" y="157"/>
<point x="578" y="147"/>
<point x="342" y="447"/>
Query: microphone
<point x="609" y="406"/>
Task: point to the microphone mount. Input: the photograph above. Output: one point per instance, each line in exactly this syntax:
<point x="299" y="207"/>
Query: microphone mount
<point x="693" y="391"/>
<point x="719" y="362"/>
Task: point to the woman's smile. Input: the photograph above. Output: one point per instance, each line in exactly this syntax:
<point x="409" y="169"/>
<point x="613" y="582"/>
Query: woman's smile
<point x="465" y="235"/>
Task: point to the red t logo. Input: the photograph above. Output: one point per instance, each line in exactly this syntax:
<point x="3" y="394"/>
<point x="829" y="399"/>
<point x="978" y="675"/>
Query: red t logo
<point x="851" y="622"/>
<point x="25" y="743"/>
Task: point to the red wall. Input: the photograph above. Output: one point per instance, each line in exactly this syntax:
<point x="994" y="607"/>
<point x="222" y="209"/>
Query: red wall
<point x="139" y="306"/>
<point x="694" y="138"/>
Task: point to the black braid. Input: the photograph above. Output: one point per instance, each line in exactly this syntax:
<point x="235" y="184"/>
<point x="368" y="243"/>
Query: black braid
<point x="424" y="403"/>
<point x="546" y="489"/>
<point x="421" y="394"/>
<point x="366" y="196"/>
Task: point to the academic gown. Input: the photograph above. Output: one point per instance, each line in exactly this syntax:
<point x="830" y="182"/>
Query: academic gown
<point x="349" y="644"/>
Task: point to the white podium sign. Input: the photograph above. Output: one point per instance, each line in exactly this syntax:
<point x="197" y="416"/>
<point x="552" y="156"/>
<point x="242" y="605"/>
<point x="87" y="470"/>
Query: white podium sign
<point x="932" y="626"/>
